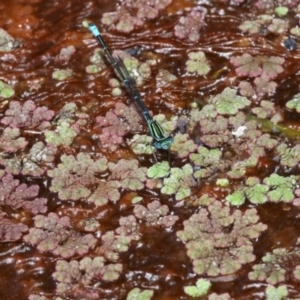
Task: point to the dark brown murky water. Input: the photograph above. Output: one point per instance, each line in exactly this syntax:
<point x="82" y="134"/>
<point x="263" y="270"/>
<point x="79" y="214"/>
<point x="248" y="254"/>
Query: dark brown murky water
<point x="157" y="259"/>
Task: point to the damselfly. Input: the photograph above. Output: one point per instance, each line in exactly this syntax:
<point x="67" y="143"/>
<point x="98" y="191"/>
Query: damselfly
<point x="161" y="140"/>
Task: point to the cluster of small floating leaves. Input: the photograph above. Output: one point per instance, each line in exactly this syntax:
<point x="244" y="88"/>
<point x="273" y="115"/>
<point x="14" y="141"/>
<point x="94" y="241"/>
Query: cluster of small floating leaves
<point x="155" y="214"/>
<point x="55" y="234"/>
<point x="139" y="71"/>
<point x="272" y="268"/>
<point x="275" y="188"/>
<point x="27" y="115"/>
<point x="117" y="241"/>
<point x="65" y="54"/>
<point x="218" y="137"/>
<point x="132" y="14"/>
<point x="73" y="176"/>
<point x="116" y="124"/>
<point x="219" y="242"/>
<point x="67" y="125"/>
<point x="189" y="26"/>
<point x="77" y="278"/>
<point x="6" y="90"/>
<point x="15" y="195"/>
<point x="268" y="22"/>
<point x="197" y="63"/>
<point x="7" y="43"/>
<point x="263" y="68"/>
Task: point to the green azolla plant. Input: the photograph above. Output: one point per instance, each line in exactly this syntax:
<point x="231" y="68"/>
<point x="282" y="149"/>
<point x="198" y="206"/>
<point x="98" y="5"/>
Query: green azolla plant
<point x="254" y="191"/>
<point x="62" y="74"/>
<point x="138" y="294"/>
<point x="179" y="182"/>
<point x="197" y="63"/>
<point x="205" y="159"/>
<point x="139" y="71"/>
<point x="199" y="289"/>
<point x="141" y="144"/>
<point x="274" y="188"/>
<point x="10" y="141"/>
<point x="6" y="90"/>
<point x="167" y="125"/>
<point x="64" y="134"/>
<point x="289" y="156"/>
<point x="254" y="27"/>
<point x="159" y="170"/>
<point x="272" y="268"/>
<point x="281" y="11"/>
<point x="34" y="163"/>
<point x="281" y="188"/>
<point x="278" y="293"/>
<point x="97" y="63"/>
<point x="228" y="102"/>
<point x="222" y="182"/>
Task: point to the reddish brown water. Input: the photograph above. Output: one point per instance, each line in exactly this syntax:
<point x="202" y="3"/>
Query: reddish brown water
<point x="158" y="261"/>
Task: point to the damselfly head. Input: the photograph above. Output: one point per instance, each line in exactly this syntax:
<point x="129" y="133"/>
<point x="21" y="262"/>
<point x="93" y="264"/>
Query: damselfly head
<point x="165" y="143"/>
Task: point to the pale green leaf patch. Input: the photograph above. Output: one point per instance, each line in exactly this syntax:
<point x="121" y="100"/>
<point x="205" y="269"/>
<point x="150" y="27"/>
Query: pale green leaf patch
<point x="138" y="294"/>
<point x="159" y="170"/>
<point x="200" y="289"/>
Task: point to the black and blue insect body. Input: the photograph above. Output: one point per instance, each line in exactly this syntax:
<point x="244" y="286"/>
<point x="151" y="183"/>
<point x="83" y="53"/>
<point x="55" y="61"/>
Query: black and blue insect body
<point x="161" y="140"/>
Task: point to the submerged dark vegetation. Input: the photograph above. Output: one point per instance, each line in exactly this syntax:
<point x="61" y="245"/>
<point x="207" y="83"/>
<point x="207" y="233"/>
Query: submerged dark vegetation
<point x="89" y="209"/>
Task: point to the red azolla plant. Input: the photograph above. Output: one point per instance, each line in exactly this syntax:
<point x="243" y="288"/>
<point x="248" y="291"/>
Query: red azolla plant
<point x="128" y="173"/>
<point x="107" y="190"/>
<point x="262" y="68"/>
<point x="265" y="24"/>
<point x="18" y="195"/>
<point x="118" y="241"/>
<point x="10" y="140"/>
<point x="15" y="195"/>
<point x="10" y="230"/>
<point x="132" y="14"/>
<point x="65" y="54"/>
<point x="189" y="27"/>
<point x="155" y="214"/>
<point x="80" y="279"/>
<point x="262" y="85"/>
<point x="116" y="124"/>
<point x="55" y="234"/>
<point x="34" y="163"/>
<point x="73" y="176"/>
<point x="27" y="115"/>
<point x="183" y="145"/>
<point x="254" y="66"/>
<point x="219" y="241"/>
<point x="274" y="265"/>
